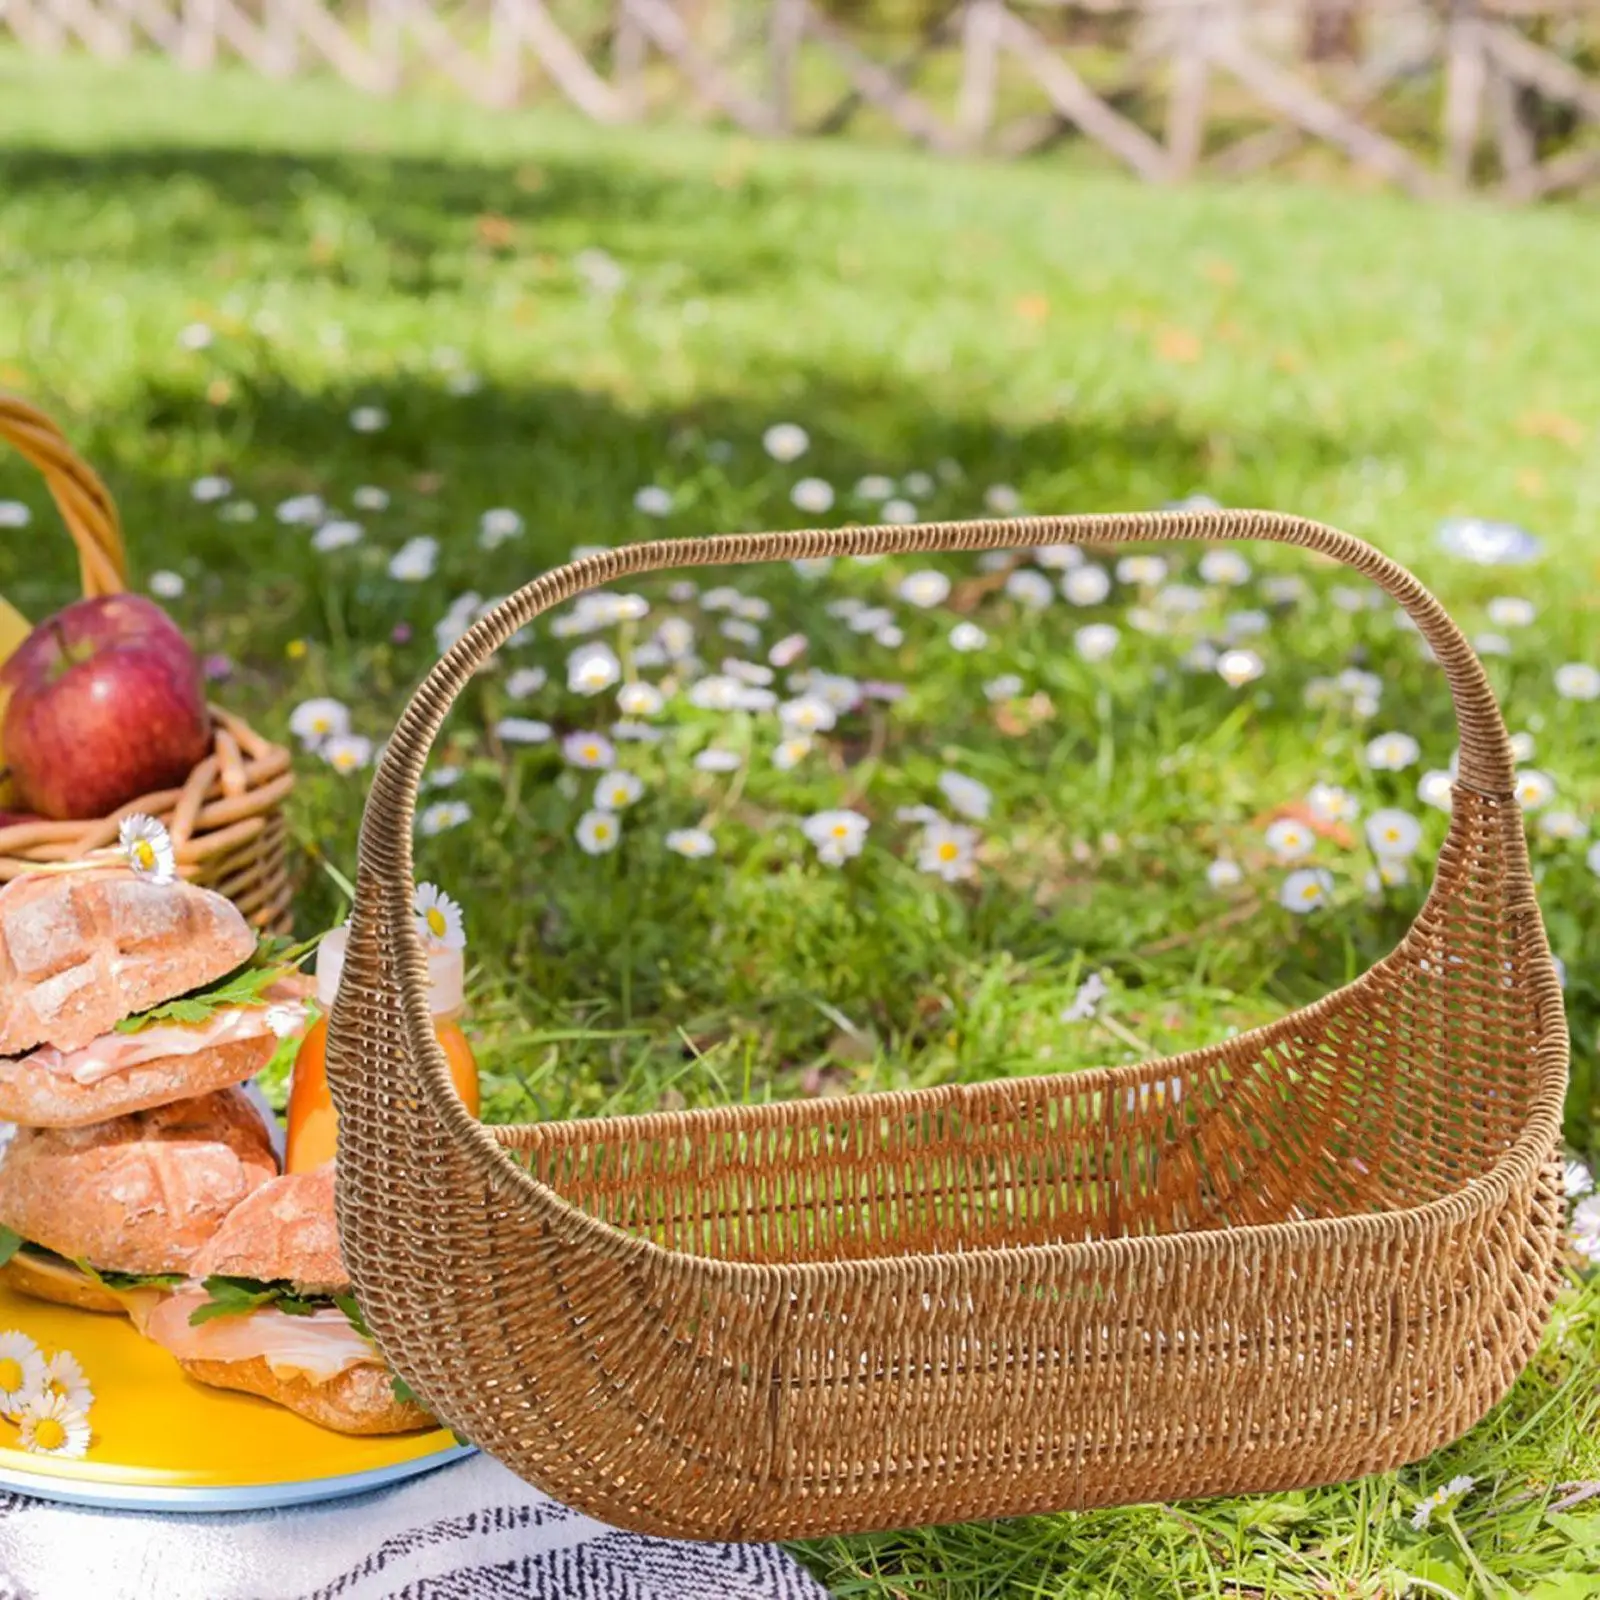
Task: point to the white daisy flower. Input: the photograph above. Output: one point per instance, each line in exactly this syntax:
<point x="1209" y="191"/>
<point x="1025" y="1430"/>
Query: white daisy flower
<point x="415" y="561"/>
<point x="917" y="484"/>
<point x="748" y="671"/>
<point x="676" y="637"/>
<point x="21" y="1370"/>
<point x="440" y="925"/>
<point x="837" y="835"/>
<point x="740" y="632"/>
<point x="716" y="759"/>
<point x="64" y="1377"/>
<point x="1144" y="571"/>
<point x="48" y="1426"/>
<point x="870" y="618"/>
<point x="196" y="336"/>
<point x="1435" y="789"/>
<point x="809" y="714"/>
<point x="1239" y="667"/>
<point x="1330" y="803"/>
<point x="1087" y="585"/>
<point x="1290" y="840"/>
<point x="1577" y="680"/>
<point x="947" y="850"/>
<point x="1030" y="589"/>
<point x="1511" y="611"/>
<point x="786" y="441"/>
<point x="167" y="585"/>
<point x="1006" y="687"/>
<point x="1097" y="641"/>
<point x="339" y="534"/>
<point x="969" y="797"/>
<point x="498" y="526"/>
<point x="523" y="730"/>
<point x="1239" y="625"/>
<point x="598" y="832"/>
<point x="1305" y="889"/>
<point x="812" y="495"/>
<point x="752" y="607"/>
<point x="924" y="589"/>
<point x="695" y="843"/>
<point x="592" y="752"/>
<point x="1224" y="874"/>
<point x="13" y="514"/>
<point x="788" y="650"/>
<point x="1086" y="1002"/>
<point x="1284" y="589"/>
<point x="874" y="488"/>
<point x="1393" y="752"/>
<point x="347" y="752"/>
<point x="526" y="682"/>
<point x="791" y="753"/>
<point x="1563" y="825"/>
<point x="1056" y="557"/>
<point x="1390" y="872"/>
<point x="653" y="501"/>
<point x="210" y="488"/>
<point x="897" y="512"/>
<point x="147" y="847"/>
<point x="1488" y="644"/>
<point x="314" y="722"/>
<point x="369" y="419"/>
<point x="617" y="791"/>
<point x="442" y="778"/>
<point x="1534" y="788"/>
<point x="966" y="637"/>
<point x="592" y="668"/>
<point x="1576" y="1180"/>
<point x="1201" y="656"/>
<point x="716" y="692"/>
<point x="812" y="567"/>
<point x="369" y="497"/>
<point x="843" y="693"/>
<point x="996" y="560"/>
<point x="1002" y="500"/>
<point x="1586" y="1229"/>
<point x="1392" y="832"/>
<point x="640" y="700"/>
<point x="1226" y="568"/>
<point x="302" y="509"/>
<point x="443" y="815"/>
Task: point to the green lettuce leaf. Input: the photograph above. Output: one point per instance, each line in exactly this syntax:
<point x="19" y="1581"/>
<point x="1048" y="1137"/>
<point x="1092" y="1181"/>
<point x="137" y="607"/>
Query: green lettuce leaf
<point x="10" y="1243"/>
<point x="245" y="986"/>
<point x="238" y="1297"/>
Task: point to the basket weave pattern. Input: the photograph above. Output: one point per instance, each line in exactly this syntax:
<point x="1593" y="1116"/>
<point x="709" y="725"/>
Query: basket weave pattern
<point x="226" y="821"/>
<point x="1313" y="1251"/>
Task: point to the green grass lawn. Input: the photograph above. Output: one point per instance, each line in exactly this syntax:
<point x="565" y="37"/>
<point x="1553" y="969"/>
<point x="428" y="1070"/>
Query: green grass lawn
<point x="211" y="278"/>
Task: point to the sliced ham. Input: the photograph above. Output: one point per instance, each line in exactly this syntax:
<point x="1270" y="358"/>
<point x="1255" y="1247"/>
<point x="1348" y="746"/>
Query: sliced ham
<point x="320" y="1346"/>
<point x="121" y="1052"/>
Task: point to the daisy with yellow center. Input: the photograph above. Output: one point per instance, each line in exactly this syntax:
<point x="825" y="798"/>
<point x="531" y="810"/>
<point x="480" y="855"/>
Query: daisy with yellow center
<point x="598" y="832"/>
<point x="947" y="849"/>
<point x="22" y="1370"/>
<point x="49" y="1426"/>
<point x="147" y="848"/>
<point x="439" y="920"/>
<point x="63" y="1376"/>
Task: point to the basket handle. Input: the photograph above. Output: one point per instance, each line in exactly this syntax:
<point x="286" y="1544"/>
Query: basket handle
<point x="84" y="501"/>
<point x="382" y="921"/>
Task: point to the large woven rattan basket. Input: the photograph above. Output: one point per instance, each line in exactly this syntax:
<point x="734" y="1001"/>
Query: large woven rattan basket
<point x="226" y="822"/>
<point x="1310" y="1252"/>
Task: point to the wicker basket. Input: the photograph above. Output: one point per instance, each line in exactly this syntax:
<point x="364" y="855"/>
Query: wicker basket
<point x="226" y="822"/>
<point x="1316" y="1250"/>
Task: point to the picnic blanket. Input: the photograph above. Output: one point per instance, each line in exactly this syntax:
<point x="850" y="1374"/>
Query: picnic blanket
<point x="469" y="1531"/>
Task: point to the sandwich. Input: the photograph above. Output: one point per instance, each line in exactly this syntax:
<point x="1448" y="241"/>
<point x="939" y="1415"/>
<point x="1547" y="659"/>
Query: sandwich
<point x="111" y="1217"/>
<point x="271" y="1313"/>
<point x="119" y="993"/>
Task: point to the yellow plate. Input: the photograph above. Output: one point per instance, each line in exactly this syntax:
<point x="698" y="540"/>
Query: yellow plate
<point x="161" y="1440"/>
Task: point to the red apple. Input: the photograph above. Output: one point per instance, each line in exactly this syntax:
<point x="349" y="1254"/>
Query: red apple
<point x="107" y="704"/>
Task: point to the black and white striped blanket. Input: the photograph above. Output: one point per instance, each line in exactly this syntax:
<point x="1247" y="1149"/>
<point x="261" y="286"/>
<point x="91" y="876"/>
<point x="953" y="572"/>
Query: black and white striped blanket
<point x="470" y="1531"/>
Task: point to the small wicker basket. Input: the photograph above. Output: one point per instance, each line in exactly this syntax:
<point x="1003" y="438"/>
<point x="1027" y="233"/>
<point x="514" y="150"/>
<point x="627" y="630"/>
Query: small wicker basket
<point x="1311" y="1251"/>
<point x="226" y="822"/>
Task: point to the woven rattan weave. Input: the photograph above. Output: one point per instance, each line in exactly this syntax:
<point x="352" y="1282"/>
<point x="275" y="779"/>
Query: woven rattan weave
<point x="226" y="822"/>
<point x="1309" y="1252"/>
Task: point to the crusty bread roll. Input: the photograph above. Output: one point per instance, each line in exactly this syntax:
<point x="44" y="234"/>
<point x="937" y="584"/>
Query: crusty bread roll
<point x="139" y="1194"/>
<point x="284" y="1232"/>
<point x="58" y="1281"/>
<point x="79" y="951"/>
<point x="360" y="1400"/>
<point x="37" y="1098"/>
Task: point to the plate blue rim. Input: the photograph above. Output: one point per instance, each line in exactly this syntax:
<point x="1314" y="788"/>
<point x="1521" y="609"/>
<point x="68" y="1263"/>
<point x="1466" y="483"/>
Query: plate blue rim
<point x="246" y="1497"/>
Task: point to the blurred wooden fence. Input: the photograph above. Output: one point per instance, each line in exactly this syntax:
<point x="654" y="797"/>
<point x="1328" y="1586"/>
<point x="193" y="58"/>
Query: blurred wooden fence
<point x="1430" y="95"/>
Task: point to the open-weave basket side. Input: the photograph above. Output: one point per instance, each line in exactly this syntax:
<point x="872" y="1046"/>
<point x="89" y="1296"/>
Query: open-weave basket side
<point x="227" y="822"/>
<point x="1319" y="1249"/>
